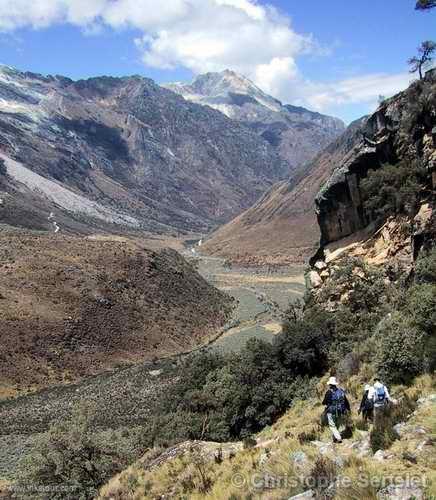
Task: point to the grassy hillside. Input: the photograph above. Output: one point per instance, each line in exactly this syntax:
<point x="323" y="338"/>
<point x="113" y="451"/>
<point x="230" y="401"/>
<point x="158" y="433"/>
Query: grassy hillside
<point x="292" y="456"/>
<point x="72" y="307"/>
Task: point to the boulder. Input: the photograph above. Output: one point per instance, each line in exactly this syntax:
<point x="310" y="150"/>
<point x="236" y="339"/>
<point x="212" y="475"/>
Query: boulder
<point x="263" y="459"/>
<point x="429" y="399"/>
<point x="400" y="429"/>
<point x="362" y="447"/>
<point x="299" y="458"/>
<point x="357" y="271"/>
<point x="380" y="455"/>
<point x="320" y="265"/>
<point x="303" y="496"/>
<point x="400" y="492"/>
<point x="427" y="442"/>
<point x="315" y="279"/>
<point x="323" y="448"/>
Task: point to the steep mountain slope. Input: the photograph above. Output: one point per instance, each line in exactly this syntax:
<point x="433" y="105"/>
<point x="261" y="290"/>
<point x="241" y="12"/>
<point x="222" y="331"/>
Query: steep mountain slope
<point x="297" y="133"/>
<point x="124" y="151"/>
<point x="71" y="306"/>
<point x="282" y="227"/>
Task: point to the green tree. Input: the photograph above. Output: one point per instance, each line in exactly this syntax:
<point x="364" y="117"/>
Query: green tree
<point x="423" y="59"/>
<point x="69" y="462"/>
<point x="392" y="189"/>
<point x="425" y="271"/>
<point x="400" y="349"/>
<point x="425" y="4"/>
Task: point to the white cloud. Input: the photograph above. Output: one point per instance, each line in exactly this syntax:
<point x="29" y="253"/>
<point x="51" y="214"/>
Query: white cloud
<point x="201" y="35"/>
<point x="364" y="89"/>
<point x="247" y="36"/>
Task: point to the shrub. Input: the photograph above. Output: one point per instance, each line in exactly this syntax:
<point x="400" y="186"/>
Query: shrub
<point x="392" y="189"/>
<point x="69" y="462"/>
<point x="222" y="398"/>
<point x="303" y="346"/>
<point x="421" y="306"/>
<point x="323" y="474"/>
<point x="312" y="434"/>
<point x="425" y="271"/>
<point x="348" y="366"/>
<point x="383" y="434"/>
<point x="400" y="349"/>
<point x="249" y="442"/>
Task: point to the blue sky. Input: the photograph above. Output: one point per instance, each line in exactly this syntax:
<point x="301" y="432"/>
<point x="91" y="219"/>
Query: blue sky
<point x="332" y="56"/>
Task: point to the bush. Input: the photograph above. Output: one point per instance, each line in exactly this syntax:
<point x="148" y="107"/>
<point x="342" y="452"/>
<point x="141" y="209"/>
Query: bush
<point x="249" y="442"/>
<point x="392" y="189"/>
<point x="348" y="366"/>
<point x="222" y="398"/>
<point x="69" y="462"/>
<point x="323" y="474"/>
<point x="425" y="271"/>
<point x="304" y="344"/>
<point x="383" y="434"/>
<point x="421" y="306"/>
<point x="400" y="349"/>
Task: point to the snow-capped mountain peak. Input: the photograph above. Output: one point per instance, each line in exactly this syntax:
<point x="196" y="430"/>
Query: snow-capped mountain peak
<point x="224" y="90"/>
<point x="298" y="133"/>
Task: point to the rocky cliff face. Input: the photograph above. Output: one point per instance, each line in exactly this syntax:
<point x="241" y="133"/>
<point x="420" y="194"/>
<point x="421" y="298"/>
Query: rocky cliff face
<point x="397" y="142"/>
<point x="124" y="151"/>
<point x="401" y="130"/>
<point x="297" y="133"/>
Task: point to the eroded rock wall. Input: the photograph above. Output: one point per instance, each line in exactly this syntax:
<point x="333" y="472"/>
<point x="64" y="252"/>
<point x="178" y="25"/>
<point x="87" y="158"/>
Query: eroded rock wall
<point x="401" y="129"/>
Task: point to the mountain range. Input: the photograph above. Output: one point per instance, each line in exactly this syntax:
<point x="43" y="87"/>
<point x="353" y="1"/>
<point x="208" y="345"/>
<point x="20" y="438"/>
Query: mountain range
<point x="297" y="133"/>
<point x="124" y="152"/>
<point x="127" y="153"/>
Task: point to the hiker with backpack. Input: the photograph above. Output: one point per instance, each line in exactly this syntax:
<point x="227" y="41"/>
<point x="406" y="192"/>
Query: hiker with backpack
<point x="380" y="396"/>
<point x="366" y="405"/>
<point x="337" y="406"/>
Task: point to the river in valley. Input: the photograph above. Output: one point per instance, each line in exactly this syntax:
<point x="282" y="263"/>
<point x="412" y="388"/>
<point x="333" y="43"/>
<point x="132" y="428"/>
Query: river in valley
<point x="261" y="295"/>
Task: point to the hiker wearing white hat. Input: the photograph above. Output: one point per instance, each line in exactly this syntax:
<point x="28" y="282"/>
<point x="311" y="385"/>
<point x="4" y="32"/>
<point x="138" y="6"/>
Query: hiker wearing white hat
<point x="337" y="406"/>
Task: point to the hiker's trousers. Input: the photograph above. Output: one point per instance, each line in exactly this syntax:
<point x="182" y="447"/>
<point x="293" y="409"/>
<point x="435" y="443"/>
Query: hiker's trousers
<point x="333" y="428"/>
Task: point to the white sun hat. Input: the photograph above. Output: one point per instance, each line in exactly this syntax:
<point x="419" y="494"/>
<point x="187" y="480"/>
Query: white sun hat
<point x="332" y="381"/>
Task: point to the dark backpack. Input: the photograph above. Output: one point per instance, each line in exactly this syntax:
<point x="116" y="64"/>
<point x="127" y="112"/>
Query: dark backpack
<point x="368" y="405"/>
<point x="337" y="405"/>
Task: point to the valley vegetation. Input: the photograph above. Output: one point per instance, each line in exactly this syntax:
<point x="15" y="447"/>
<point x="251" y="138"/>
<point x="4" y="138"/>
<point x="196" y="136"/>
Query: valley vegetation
<point x="384" y="326"/>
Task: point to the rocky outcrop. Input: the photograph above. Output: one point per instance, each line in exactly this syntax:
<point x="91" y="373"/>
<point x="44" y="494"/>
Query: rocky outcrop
<point x="400" y="130"/>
